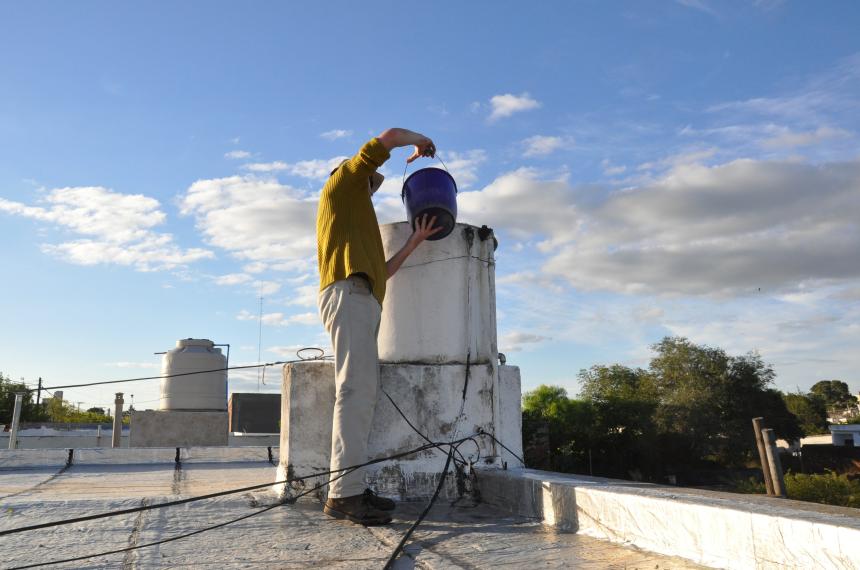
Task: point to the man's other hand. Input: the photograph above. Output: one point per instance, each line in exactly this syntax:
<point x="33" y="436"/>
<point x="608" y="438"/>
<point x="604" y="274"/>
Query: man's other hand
<point x="423" y="230"/>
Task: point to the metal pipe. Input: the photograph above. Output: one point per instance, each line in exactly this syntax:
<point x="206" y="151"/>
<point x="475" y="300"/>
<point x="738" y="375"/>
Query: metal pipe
<point x="117" y="421"/>
<point x="16" y="419"/>
<point x="762" y="454"/>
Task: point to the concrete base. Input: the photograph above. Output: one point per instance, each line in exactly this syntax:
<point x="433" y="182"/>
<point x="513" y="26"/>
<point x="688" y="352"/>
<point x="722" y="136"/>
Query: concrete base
<point x="156" y="428"/>
<point x="720" y="530"/>
<point x="430" y="396"/>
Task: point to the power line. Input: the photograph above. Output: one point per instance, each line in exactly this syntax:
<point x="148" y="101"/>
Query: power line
<point x="160" y="376"/>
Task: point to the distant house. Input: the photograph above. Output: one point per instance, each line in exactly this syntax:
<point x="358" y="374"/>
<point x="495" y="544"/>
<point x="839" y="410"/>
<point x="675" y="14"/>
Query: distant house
<point x="846" y="435"/>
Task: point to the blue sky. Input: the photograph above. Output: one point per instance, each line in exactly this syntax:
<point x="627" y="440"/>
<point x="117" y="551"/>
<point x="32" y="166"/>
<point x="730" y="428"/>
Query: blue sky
<point x="651" y="168"/>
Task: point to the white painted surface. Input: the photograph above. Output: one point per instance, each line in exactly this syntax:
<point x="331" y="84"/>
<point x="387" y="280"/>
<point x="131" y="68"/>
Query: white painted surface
<point x="429" y="395"/>
<point x="293" y="536"/>
<point x="720" y="530"/>
<point x="196" y="391"/>
<point x="441" y="304"/>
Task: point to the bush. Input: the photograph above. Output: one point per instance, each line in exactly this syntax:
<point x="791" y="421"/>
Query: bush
<point x="827" y="488"/>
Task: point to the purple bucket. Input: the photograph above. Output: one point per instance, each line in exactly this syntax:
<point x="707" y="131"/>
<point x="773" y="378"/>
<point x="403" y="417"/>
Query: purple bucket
<point x="431" y="191"/>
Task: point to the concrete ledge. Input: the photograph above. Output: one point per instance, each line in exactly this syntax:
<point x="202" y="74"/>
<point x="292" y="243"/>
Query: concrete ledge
<point x="721" y="530"/>
<point x="231" y="454"/>
<point x="33" y="458"/>
<point x="169" y="428"/>
<point x="30" y="458"/>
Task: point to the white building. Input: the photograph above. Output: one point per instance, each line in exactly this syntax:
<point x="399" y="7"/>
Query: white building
<point x="847" y="435"/>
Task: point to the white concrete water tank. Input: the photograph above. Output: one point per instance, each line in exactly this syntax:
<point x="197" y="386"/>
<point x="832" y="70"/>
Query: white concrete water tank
<point x="441" y="305"/>
<point x="207" y="391"/>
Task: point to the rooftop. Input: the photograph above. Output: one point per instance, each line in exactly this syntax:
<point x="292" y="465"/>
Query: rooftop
<point x="289" y="536"/>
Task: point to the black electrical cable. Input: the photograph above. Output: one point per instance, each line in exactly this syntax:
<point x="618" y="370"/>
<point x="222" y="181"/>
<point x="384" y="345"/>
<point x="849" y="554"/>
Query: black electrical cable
<point x="402" y="543"/>
<point x="160" y="376"/>
<point x="179" y="536"/>
<point x="462" y="459"/>
<point x="453" y="445"/>
<point x="508" y="449"/>
<point x="223" y="493"/>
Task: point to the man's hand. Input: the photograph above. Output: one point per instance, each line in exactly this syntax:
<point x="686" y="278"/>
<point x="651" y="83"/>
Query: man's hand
<point x="423" y="230"/>
<point x="394" y="138"/>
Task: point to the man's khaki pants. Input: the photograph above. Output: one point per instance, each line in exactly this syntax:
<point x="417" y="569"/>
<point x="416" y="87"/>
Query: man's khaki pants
<point x="351" y="315"/>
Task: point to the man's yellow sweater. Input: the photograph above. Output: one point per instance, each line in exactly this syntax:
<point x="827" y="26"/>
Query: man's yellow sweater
<point x="348" y="239"/>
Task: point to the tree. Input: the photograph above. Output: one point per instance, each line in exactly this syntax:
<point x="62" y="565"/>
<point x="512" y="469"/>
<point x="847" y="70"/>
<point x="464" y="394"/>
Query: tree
<point x="97" y="411"/>
<point x="810" y="411"/>
<point x="29" y="410"/>
<point x="625" y="435"/>
<point x="557" y="427"/>
<point x="707" y="399"/>
<point x="833" y="393"/>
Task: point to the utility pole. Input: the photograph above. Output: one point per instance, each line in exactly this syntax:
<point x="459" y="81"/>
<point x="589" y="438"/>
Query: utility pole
<point x="16" y="419"/>
<point x="117" y="421"/>
<point x="39" y="392"/>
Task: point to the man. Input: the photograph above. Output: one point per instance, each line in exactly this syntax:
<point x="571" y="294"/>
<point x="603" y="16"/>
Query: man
<point x="353" y="271"/>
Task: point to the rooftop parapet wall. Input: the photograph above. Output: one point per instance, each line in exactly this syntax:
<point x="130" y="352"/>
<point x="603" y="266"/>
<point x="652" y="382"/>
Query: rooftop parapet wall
<point x="429" y="395"/>
<point x="720" y="530"/>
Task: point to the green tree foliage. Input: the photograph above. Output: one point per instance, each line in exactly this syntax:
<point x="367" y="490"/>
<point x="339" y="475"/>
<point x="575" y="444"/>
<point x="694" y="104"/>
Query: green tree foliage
<point x="708" y="398"/>
<point x="833" y="392"/>
<point x="557" y="430"/>
<point x="59" y="411"/>
<point x="691" y="408"/>
<point x="811" y="412"/>
<point x="29" y="410"/>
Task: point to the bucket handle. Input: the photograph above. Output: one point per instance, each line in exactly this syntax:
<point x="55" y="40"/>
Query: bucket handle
<point x="403" y="181"/>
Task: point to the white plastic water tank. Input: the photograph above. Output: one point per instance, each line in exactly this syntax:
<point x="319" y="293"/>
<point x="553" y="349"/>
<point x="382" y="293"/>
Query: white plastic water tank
<point x="441" y="304"/>
<point x="206" y="391"/>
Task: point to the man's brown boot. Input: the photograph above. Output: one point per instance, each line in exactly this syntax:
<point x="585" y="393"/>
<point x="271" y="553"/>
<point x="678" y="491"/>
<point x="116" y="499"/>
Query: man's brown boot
<point x="357" y="509"/>
<point x="380" y="503"/>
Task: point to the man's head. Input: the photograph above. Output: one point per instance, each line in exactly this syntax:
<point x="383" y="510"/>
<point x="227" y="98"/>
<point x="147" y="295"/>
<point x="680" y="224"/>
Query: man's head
<point x="374" y="181"/>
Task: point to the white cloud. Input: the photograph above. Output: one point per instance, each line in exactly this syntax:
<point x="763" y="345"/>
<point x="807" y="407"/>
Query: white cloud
<point x="335" y="134"/>
<point x="699" y="5"/>
<point x="463" y="166"/>
<point x="521" y="203"/>
<point x="508" y="104"/>
<point x="118" y="226"/>
<point x="237" y="154"/>
<point x="318" y="169"/>
<point x="254" y="219"/>
<point x="279" y="319"/>
<point x="233" y="279"/>
<point x="516" y="341"/>
<point x="304" y="296"/>
<point x="266" y="166"/>
<point x="255" y="267"/>
<point x="789" y="138"/>
<point x="540" y="145"/>
<point x="290" y="351"/>
<point x="267" y="287"/>
<point x="728" y="229"/>
<point x="610" y="170"/>
<point x="153" y="365"/>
